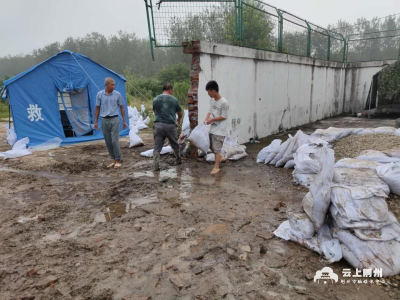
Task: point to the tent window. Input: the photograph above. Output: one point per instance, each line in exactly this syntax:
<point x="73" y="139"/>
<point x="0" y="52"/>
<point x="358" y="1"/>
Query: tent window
<point x="66" y="98"/>
<point x="76" y="107"/>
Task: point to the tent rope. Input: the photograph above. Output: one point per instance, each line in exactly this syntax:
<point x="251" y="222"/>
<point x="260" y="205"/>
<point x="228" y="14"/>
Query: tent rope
<point x="137" y="91"/>
<point x="85" y="71"/>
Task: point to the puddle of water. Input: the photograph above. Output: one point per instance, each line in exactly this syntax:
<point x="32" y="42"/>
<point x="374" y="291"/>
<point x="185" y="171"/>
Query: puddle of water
<point x="117" y="209"/>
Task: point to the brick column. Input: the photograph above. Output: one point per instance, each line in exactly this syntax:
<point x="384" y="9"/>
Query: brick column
<point x="192" y="95"/>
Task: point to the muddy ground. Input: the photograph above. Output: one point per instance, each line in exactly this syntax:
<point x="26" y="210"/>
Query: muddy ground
<point x="185" y="235"/>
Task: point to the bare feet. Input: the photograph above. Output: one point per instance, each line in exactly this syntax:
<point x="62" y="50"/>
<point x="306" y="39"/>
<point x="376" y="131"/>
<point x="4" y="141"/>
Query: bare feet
<point x="117" y="165"/>
<point x="111" y="165"/>
<point x="215" y="171"/>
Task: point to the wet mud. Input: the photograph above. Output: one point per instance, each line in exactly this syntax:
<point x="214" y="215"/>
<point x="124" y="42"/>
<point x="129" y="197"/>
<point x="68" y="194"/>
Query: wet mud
<point x="72" y="229"/>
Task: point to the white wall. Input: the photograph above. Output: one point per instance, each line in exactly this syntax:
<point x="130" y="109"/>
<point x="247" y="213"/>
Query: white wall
<point x="358" y="83"/>
<point x="268" y="91"/>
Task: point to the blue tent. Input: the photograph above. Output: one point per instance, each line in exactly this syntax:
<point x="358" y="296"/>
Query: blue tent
<point x="57" y="97"/>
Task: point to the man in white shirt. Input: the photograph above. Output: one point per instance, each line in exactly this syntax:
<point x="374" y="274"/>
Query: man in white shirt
<point x="217" y="116"/>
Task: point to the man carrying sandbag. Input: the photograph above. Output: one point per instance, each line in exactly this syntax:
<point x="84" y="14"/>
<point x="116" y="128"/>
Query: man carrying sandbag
<point x="165" y="108"/>
<point x="217" y="117"/>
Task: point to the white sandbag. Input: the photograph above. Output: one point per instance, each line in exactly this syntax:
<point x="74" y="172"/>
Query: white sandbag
<point x="143" y="109"/>
<point x="359" y="177"/>
<point x="393" y="153"/>
<point x="316" y="202"/>
<point x="238" y="156"/>
<point x="281" y="150"/>
<point x="301" y="225"/>
<point x="130" y="112"/>
<point x="19" y="149"/>
<point x="284" y="231"/>
<point x="305" y="161"/>
<point x="371" y="254"/>
<point x="273" y="147"/>
<point x="200" y="137"/>
<point x="53" y="143"/>
<point x="365" y="131"/>
<point x="352" y="163"/>
<point x="390" y="174"/>
<point x="186" y="123"/>
<point x="134" y="139"/>
<point x="140" y="125"/>
<point x="165" y="150"/>
<point x="290" y="164"/>
<point x="210" y="157"/>
<point x="323" y="243"/>
<point x="146" y="121"/>
<point x="384" y="130"/>
<point x="377" y="156"/>
<point x="11" y="135"/>
<point x="361" y="203"/>
<point x="397" y="132"/>
<point x="333" y="134"/>
<point x="386" y="233"/>
<point x="298" y="140"/>
<point x="330" y="246"/>
<point x="303" y="179"/>
<point x="228" y="151"/>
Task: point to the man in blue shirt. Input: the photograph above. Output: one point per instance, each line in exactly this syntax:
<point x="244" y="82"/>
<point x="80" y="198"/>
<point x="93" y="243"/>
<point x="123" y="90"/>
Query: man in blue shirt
<point x="108" y="104"/>
<point x="166" y="107"/>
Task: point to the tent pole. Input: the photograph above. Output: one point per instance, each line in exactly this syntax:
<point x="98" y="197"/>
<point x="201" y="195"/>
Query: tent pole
<point x="9" y="113"/>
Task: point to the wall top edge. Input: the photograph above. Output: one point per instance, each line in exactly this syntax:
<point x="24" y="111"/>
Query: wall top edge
<point x="243" y="52"/>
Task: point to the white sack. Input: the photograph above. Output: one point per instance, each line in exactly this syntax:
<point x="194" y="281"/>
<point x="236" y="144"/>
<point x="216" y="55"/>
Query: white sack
<point x="200" y="138"/>
<point x="290" y="164"/>
<point x="333" y="134"/>
<point x="134" y="139"/>
<point x="352" y="163"/>
<point x="365" y="131"/>
<point x="298" y="140"/>
<point x="146" y="121"/>
<point x="238" y="156"/>
<point x="371" y="254"/>
<point x="397" y="132"/>
<point x="386" y="233"/>
<point x="165" y="150"/>
<point x="140" y="125"/>
<point x="281" y="150"/>
<point x="48" y="145"/>
<point x="377" y="156"/>
<point x="390" y="173"/>
<point x="305" y="161"/>
<point x="11" y="135"/>
<point x="301" y="225"/>
<point x="359" y="177"/>
<point x="186" y="123"/>
<point x="316" y="202"/>
<point x="303" y="179"/>
<point x="383" y="130"/>
<point x="267" y="151"/>
<point x="19" y="149"/>
<point x="143" y="109"/>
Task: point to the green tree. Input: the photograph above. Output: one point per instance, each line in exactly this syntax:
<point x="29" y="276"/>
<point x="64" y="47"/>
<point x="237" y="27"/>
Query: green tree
<point x="174" y="73"/>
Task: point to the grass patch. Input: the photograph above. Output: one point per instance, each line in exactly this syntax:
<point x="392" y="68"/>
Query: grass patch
<point x="3" y="109"/>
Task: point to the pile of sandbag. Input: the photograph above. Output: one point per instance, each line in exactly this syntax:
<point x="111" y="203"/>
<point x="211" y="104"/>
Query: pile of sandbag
<point x="136" y="119"/>
<point x="282" y="154"/>
<point x="346" y="214"/>
<point x="333" y="134"/>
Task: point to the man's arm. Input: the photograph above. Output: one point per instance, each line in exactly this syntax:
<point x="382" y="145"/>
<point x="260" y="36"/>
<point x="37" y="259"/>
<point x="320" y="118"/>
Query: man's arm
<point x="207" y="118"/>
<point x="124" y="126"/>
<point x="96" y="117"/>
<point x="209" y="121"/>
<point x="179" y="117"/>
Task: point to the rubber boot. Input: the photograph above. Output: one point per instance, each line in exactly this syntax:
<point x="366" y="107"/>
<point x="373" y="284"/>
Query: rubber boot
<point x="156" y="162"/>
<point x="178" y="157"/>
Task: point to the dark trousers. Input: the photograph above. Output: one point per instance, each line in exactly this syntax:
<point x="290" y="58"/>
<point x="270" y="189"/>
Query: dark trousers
<point x="162" y="131"/>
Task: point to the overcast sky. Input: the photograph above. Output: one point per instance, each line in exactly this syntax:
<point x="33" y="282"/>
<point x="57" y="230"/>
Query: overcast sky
<point x="29" y="24"/>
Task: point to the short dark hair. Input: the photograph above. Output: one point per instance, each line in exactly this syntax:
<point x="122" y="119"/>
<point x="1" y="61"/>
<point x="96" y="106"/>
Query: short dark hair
<point x="167" y="87"/>
<point x="212" y="86"/>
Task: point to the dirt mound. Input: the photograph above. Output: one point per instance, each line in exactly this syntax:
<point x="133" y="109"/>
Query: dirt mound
<point x="77" y="167"/>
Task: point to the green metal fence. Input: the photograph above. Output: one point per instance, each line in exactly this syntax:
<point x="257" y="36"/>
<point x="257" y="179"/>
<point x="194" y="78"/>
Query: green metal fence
<point x="258" y="25"/>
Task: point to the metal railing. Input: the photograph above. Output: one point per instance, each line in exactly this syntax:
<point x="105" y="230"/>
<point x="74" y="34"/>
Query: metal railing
<point x="258" y="25"/>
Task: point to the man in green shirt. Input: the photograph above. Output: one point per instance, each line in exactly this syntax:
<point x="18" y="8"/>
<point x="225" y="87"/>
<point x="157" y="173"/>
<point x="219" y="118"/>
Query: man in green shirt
<point x="165" y="107"/>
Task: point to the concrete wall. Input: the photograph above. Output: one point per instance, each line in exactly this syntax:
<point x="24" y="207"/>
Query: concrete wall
<point x="269" y="92"/>
<point x="358" y="83"/>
